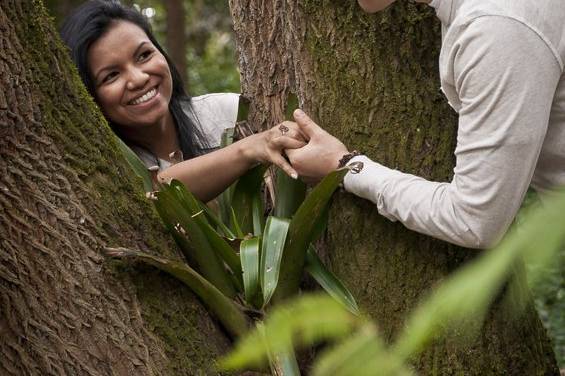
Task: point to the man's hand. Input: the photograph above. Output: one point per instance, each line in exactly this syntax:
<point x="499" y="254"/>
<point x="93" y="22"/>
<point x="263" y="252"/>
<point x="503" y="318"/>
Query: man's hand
<point x="321" y="154"/>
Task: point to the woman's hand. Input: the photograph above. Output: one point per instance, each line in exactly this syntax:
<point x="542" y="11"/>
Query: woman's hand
<point x="269" y="146"/>
<point x="322" y="153"/>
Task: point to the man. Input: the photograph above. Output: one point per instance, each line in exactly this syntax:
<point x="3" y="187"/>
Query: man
<point x="502" y="70"/>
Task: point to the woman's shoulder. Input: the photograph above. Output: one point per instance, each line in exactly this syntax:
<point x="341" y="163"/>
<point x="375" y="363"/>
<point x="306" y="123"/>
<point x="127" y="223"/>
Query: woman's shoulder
<point x="215" y="113"/>
<point x="217" y="105"/>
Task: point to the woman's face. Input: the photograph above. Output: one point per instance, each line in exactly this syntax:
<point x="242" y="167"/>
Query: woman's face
<point x="133" y="84"/>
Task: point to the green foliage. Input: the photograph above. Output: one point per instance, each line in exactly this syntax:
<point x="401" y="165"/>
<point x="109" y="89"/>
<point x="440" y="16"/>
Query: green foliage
<point x="459" y="303"/>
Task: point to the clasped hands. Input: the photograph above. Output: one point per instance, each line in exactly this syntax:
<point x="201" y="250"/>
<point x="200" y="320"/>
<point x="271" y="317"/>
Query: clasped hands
<point x="312" y="152"/>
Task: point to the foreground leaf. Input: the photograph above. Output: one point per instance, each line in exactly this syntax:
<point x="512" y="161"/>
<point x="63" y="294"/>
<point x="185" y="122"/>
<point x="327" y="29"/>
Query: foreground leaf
<point x="329" y="282"/>
<point x="469" y="292"/>
<point x="274" y="240"/>
<point x="301" y="232"/>
<point x="223" y="308"/>
<point x="362" y="354"/>
<point x="297" y="323"/>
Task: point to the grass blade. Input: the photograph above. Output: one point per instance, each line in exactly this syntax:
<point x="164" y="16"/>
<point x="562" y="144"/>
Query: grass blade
<point x="274" y="240"/>
<point x="223" y="308"/>
<point x="249" y="254"/>
<point x="137" y="165"/>
<point x="329" y="282"/>
<point x="301" y="231"/>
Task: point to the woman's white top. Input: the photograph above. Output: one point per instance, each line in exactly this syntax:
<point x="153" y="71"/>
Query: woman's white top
<point x="215" y="112"/>
<point x="502" y="70"/>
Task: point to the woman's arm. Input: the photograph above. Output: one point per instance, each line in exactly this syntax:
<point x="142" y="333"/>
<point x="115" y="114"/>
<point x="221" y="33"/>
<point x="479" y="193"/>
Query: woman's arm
<point x="209" y="175"/>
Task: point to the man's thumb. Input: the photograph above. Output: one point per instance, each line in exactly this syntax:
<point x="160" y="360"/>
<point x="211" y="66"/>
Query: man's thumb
<point x="306" y="124"/>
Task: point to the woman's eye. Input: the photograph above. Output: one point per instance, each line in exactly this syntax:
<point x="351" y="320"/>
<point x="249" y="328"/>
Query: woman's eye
<point x="145" y="55"/>
<point x="109" y="77"/>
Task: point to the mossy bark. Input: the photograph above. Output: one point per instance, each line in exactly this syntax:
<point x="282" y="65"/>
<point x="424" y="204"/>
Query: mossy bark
<point x="65" y="194"/>
<point x="372" y="80"/>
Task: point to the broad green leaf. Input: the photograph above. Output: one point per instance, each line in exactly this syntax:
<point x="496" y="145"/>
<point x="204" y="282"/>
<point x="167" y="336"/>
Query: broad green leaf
<point x="272" y="248"/>
<point x="225" y="252"/>
<point x="469" y="292"/>
<point x="224" y="199"/>
<point x="301" y="231"/>
<point x="289" y="194"/>
<point x="137" y="165"/>
<point x="214" y="220"/>
<point x="223" y="308"/>
<point x="219" y="245"/>
<point x="329" y="282"/>
<point x="181" y="220"/>
<point x="257" y="209"/>
<point x="249" y="254"/>
<point x="297" y="323"/>
<point x="246" y="192"/>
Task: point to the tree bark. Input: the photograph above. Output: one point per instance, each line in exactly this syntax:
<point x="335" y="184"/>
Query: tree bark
<point x="176" y="35"/>
<point x="372" y="80"/>
<point x="65" y="194"/>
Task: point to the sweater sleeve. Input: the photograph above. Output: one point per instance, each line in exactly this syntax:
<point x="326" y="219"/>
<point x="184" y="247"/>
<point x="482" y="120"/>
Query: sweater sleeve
<point x="505" y="101"/>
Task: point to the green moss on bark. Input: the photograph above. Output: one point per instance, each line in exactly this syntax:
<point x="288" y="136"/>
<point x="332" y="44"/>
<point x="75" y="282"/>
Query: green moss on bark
<point x="103" y="182"/>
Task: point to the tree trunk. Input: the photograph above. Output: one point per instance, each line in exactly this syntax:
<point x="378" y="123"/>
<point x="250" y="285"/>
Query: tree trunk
<point x="176" y="35"/>
<point x="65" y="194"/>
<point x="372" y="80"/>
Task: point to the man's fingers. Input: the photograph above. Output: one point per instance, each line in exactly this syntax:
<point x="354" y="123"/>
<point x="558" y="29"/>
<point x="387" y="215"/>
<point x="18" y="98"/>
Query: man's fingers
<point x="306" y="124"/>
<point x="279" y="161"/>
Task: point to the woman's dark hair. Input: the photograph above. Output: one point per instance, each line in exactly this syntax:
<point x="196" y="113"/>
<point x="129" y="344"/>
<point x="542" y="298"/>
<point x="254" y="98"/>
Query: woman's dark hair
<point x="89" y="22"/>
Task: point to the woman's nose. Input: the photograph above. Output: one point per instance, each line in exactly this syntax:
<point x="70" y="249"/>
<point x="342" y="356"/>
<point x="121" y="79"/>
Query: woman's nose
<point x="137" y="79"/>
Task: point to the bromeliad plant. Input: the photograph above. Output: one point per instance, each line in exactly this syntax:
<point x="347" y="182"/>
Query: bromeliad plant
<point x="240" y="262"/>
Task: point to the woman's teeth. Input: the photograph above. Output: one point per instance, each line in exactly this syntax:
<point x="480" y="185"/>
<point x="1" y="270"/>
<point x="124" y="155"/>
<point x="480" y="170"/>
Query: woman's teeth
<point x="145" y="97"/>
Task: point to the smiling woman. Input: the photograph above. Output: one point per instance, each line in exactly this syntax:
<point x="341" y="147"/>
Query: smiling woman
<point x="142" y="96"/>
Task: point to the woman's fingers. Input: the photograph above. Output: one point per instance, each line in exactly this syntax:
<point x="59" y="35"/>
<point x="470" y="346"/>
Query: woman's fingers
<point x="285" y="142"/>
<point x="290" y="129"/>
<point x="278" y="160"/>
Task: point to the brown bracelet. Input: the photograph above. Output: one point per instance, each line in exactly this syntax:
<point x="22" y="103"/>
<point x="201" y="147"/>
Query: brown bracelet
<point x="347" y="157"/>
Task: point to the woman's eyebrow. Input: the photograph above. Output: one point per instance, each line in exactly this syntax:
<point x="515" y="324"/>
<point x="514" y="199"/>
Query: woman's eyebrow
<point x="113" y="66"/>
<point x="139" y="47"/>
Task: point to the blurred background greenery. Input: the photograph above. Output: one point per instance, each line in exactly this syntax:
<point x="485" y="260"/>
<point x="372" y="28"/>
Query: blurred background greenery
<point x="198" y="34"/>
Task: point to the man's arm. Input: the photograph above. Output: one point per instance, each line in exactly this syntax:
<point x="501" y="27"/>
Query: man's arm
<point x="505" y="104"/>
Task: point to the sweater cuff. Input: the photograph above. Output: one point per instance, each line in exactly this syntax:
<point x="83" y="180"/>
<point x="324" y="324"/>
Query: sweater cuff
<point x="370" y="183"/>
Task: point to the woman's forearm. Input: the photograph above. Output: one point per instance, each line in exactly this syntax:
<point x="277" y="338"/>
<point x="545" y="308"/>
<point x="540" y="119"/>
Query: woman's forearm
<point x="208" y="175"/>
